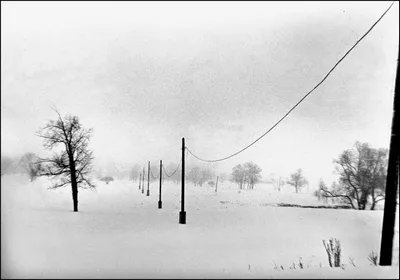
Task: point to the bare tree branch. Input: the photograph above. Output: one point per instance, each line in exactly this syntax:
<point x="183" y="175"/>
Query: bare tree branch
<point x="73" y="164"/>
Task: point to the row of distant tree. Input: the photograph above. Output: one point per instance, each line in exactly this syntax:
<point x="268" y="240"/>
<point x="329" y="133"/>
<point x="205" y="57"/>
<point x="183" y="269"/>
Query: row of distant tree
<point x="362" y="169"/>
<point x="362" y="175"/>
<point x="24" y="164"/>
<point x="246" y="175"/>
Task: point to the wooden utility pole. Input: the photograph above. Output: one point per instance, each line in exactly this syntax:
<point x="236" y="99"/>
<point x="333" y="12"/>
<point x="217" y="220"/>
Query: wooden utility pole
<point x="279" y="184"/>
<point x="143" y="180"/>
<point x="140" y="179"/>
<point x="148" y="180"/>
<point x="392" y="184"/>
<point x="159" y="198"/>
<point x="216" y="185"/>
<point x="182" y="214"/>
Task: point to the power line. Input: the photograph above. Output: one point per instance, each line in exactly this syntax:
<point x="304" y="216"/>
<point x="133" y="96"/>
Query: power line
<point x="165" y="171"/>
<point x="151" y="173"/>
<point x="301" y="100"/>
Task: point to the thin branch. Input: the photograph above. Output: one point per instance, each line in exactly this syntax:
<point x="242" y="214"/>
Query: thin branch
<point x="56" y="186"/>
<point x="332" y="195"/>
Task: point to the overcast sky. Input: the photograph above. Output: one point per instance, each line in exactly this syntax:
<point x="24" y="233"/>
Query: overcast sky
<point x="145" y="74"/>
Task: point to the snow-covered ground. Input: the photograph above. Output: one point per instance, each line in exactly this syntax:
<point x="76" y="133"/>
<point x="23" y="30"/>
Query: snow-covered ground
<point x="120" y="233"/>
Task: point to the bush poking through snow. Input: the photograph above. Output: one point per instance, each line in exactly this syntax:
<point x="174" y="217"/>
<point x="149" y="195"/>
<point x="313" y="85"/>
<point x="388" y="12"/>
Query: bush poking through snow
<point x="373" y="258"/>
<point x="300" y="263"/>
<point x="351" y="260"/>
<point x="333" y="250"/>
<point x="293" y="266"/>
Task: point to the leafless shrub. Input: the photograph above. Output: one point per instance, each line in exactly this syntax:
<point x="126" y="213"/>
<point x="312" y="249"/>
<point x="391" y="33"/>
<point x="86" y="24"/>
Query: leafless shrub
<point x="373" y="258"/>
<point x="351" y="260"/>
<point x="334" y="252"/>
<point x="300" y="263"/>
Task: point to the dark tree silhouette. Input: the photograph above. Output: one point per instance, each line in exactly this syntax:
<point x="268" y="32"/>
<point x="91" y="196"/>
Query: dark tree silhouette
<point x="247" y="173"/>
<point x="362" y="179"/>
<point x="252" y="172"/>
<point x="238" y="175"/>
<point x="73" y="164"/>
<point x="297" y="180"/>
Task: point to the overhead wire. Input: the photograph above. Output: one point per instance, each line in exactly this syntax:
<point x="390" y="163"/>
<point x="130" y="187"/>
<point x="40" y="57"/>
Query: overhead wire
<point x="301" y="100"/>
<point x="166" y="173"/>
<point x="151" y="173"/>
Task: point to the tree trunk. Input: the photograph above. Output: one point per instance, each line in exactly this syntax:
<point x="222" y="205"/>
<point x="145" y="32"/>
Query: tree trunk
<point x="74" y="185"/>
<point x="75" y="198"/>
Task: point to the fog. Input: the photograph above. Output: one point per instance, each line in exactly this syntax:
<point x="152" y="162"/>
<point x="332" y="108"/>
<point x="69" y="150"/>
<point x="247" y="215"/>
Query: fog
<point x="144" y="75"/>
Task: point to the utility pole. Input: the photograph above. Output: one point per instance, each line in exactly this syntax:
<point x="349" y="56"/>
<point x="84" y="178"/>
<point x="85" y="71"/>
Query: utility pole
<point x="140" y="179"/>
<point x="148" y="180"/>
<point x="279" y="184"/>
<point x="216" y="185"/>
<point x="159" y="198"/>
<point x="392" y="183"/>
<point x="143" y="180"/>
<point x="182" y="214"/>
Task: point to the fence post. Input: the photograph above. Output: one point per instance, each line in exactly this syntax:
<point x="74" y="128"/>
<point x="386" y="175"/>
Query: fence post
<point x="140" y="179"/>
<point x="216" y="185"/>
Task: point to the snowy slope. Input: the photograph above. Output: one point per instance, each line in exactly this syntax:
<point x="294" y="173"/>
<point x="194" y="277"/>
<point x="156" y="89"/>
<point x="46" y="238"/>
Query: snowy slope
<point x="120" y="233"/>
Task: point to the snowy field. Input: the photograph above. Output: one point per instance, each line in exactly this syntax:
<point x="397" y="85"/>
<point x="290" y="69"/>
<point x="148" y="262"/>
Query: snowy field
<point x="120" y="233"/>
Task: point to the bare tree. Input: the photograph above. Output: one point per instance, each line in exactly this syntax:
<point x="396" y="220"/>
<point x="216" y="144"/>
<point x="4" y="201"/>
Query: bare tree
<point x="29" y="162"/>
<point x="297" y="180"/>
<point x="238" y="175"/>
<point x="194" y="174"/>
<point x="246" y="175"/>
<point x="73" y="164"/>
<point x="253" y="174"/>
<point x="319" y="193"/>
<point x="362" y="179"/>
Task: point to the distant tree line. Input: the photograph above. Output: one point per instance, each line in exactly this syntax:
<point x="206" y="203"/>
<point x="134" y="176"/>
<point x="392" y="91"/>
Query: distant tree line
<point x="27" y="163"/>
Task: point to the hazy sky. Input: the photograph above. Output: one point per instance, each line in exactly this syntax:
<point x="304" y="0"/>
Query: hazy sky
<point x="145" y="74"/>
